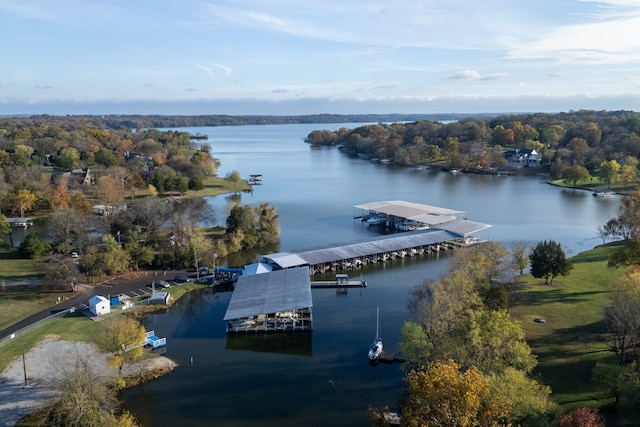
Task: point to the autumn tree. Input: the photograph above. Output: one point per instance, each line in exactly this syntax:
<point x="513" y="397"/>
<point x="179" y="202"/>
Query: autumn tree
<point x="82" y="398"/>
<point x="24" y="201"/>
<point x="548" y="260"/>
<point x="531" y="403"/>
<point x="608" y="171"/>
<point x="444" y="395"/>
<point x="629" y="170"/>
<point x="123" y="337"/>
<point x="582" y="417"/>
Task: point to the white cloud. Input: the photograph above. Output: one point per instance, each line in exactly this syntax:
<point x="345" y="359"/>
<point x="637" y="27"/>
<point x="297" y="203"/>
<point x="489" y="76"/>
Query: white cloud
<point x="612" y="36"/>
<point x="466" y="74"/>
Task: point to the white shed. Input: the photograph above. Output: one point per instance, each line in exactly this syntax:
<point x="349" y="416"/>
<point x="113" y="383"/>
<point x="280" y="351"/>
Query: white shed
<point x="99" y="305"/>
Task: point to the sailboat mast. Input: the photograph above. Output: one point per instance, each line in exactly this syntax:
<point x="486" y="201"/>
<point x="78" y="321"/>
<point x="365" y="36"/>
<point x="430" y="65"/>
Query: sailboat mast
<point x="377" y="322"/>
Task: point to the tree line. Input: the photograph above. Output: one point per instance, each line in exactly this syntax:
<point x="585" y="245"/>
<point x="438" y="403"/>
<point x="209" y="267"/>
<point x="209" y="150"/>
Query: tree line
<point x="568" y="143"/>
<point x="467" y="360"/>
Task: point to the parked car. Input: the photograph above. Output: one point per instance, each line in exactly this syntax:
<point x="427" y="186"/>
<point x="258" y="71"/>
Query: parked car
<point x="181" y="279"/>
<point x="163" y="284"/>
<point x="74" y="255"/>
<point x="204" y="271"/>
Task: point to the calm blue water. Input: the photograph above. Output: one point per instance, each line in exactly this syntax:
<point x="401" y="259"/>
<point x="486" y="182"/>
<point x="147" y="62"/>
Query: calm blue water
<point x="285" y="380"/>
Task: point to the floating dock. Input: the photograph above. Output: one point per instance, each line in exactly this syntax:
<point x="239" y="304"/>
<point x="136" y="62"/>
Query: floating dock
<point x="334" y="284"/>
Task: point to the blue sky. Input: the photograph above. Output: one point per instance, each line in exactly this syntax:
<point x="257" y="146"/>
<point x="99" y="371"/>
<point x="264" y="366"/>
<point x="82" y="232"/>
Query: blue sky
<point x="329" y="56"/>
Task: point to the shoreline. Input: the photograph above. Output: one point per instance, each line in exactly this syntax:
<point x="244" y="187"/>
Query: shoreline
<point x="46" y="362"/>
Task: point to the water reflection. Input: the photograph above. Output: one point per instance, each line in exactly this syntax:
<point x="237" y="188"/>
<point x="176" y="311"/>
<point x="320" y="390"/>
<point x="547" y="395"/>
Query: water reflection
<point x="299" y="344"/>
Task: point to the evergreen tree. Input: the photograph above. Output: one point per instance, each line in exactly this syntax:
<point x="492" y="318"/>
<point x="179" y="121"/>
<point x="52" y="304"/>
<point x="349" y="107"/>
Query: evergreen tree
<point x="548" y="260"/>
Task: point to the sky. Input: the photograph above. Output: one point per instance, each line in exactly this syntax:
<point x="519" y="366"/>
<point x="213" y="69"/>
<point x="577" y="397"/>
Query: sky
<point x="286" y="57"/>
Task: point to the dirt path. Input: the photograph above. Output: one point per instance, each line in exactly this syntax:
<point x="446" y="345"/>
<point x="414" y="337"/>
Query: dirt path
<point x="45" y="364"/>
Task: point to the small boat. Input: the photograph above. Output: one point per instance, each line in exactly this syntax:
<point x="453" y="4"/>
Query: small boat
<point x="603" y="193"/>
<point x="376" y="348"/>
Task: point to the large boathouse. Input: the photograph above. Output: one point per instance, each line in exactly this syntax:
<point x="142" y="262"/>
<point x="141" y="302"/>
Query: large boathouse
<point x="275" y="293"/>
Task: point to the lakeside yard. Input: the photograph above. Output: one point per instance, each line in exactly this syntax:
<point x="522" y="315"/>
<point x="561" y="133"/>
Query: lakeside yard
<point x="573" y="337"/>
<point x="568" y="345"/>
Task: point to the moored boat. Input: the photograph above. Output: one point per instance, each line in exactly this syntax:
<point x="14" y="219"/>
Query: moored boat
<point x="376" y="348"/>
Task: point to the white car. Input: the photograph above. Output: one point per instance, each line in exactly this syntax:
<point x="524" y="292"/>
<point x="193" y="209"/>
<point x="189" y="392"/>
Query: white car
<point x="74" y="255"/>
<point x="163" y="284"/>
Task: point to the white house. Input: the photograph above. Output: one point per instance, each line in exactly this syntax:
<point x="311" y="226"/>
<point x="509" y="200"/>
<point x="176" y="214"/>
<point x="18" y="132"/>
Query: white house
<point x="99" y="305"/>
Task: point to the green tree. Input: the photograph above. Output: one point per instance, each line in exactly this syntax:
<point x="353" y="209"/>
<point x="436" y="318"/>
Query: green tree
<point x="520" y="256"/>
<point x="629" y="170"/>
<point x="530" y="401"/>
<point x="68" y="158"/>
<point x="575" y="173"/>
<point x="139" y="252"/>
<point x="234" y="177"/>
<point x="452" y="151"/>
<point x="196" y="184"/>
<point x="495" y="342"/>
<point x="115" y="258"/>
<point x="33" y="246"/>
<point x="5" y="227"/>
<point x="608" y="171"/>
<point x="548" y="260"/>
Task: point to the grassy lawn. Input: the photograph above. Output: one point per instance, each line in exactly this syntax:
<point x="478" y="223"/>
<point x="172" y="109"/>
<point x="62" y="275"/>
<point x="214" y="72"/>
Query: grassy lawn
<point x="213" y="186"/>
<point x="19" y="302"/>
<point x="596" y="184"/>
<point x="14" y="267"/>
<point x="74" y="327"/>
<point x="573" y="339"/>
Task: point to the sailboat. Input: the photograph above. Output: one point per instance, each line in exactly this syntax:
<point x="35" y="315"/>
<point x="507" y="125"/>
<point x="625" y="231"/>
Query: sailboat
<point x="376" y="348"/>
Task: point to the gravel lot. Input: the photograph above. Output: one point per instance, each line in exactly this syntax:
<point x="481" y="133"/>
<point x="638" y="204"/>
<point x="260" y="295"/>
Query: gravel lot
<point x="44" y="364"/>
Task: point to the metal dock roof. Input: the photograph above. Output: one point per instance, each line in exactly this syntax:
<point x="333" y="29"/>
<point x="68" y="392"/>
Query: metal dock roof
<point x="280" y="290"/>
<point x="379" y="245"/>
<point x="408" y="210"/>
<point x="446" y="232"/>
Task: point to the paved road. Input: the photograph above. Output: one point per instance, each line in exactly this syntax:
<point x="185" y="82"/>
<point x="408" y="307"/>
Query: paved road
<point x="132" y="284"/>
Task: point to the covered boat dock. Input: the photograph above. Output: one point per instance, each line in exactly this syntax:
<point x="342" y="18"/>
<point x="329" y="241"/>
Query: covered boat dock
<point x="277" y="301"/>
<point x="453" y="234"/>
<point x="405" y="216"/>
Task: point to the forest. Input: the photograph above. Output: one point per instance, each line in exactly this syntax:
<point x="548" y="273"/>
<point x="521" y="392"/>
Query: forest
<point x="573" y="145"/>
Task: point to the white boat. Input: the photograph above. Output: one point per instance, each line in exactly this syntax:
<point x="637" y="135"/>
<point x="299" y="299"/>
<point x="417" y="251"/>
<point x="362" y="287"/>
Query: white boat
<point x="376" y="348"/>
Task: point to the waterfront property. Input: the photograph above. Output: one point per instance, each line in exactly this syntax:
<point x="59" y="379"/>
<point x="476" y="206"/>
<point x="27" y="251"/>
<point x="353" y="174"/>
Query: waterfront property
<point x="276" y="301"/>
<point x="425" y="229"/>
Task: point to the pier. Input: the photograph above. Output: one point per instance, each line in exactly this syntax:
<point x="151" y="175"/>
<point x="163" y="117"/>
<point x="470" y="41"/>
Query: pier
<point x="274" y="294"/>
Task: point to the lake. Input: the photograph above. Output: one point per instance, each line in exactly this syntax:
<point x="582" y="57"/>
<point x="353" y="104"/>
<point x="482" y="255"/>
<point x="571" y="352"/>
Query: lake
<point x="324" y="378"/>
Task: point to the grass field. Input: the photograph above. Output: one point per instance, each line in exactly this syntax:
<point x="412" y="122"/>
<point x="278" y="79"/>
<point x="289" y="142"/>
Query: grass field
<point x="573" y="338"/>
<point x="73" y="327"/>
<point x="14" y="267"/>
<point x="21" y="301"/>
